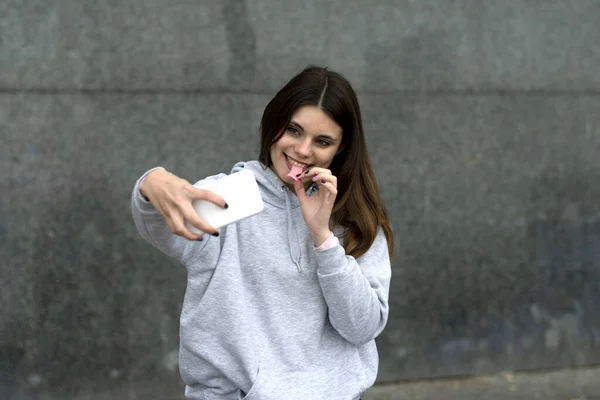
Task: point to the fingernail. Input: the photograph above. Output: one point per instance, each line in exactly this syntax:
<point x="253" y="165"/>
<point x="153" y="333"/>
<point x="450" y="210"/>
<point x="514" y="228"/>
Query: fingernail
<point x="306" y="172"/>
<point x="226" y="206"/>
<point x="314" y="178"/>
<point x="323" y="182"/>
<point x="199" y="239"/>
<point x="216" y="234"/>
<point x="297" y="176"/>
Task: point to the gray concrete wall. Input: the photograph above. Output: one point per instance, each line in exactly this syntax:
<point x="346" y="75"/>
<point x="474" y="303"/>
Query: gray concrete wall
<point x="482" y="118"/>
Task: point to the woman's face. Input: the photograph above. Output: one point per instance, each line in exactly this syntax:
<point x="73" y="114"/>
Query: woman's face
<point x="311" y="139"/>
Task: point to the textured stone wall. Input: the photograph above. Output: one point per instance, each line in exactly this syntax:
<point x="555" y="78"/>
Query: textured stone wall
<point x="482" y="120"/>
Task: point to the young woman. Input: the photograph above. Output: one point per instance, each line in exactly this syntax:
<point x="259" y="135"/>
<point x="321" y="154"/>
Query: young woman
<point x="285" y="304"/>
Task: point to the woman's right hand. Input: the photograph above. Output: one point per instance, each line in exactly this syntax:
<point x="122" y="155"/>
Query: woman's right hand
<point x="173" y="196"/>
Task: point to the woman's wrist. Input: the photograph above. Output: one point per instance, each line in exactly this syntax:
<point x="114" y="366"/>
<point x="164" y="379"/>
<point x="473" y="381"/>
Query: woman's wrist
<point x="141" y="188"/>
<point x="319" y="238"/>
<point x="144" y="182"/>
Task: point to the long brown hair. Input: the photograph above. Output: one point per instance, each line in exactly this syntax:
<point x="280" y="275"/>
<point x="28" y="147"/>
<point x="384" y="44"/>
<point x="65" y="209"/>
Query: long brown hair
<point x="358" y="207"/>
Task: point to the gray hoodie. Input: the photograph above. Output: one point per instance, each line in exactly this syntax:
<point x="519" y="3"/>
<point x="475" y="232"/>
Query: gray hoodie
<point x="266" y="316"/>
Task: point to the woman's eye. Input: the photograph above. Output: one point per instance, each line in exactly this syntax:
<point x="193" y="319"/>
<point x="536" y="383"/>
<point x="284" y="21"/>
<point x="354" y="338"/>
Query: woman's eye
<point x="323" y="143"/>
<point x="293" y="131"/>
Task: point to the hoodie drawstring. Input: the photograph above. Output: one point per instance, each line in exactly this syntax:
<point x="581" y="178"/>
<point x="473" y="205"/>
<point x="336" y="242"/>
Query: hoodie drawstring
<point x="292" y="236"/>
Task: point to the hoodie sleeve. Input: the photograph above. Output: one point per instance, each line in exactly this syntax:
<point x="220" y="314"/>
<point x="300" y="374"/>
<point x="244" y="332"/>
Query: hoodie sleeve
<point x="153" y="228"/>
<point x="356" y="290"/>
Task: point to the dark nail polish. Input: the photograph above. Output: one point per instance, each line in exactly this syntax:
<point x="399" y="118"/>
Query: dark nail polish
<point x="323" y="182"/>
<point x="306" y="173"/>
<point x="297" y="176"/>
<point x="199" y="239"/>
<point x="216" y="234"/>
<point x="226" y="206"/>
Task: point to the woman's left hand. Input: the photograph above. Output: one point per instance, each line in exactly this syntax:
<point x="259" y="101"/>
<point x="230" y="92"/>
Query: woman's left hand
<point x="317" y="208"/>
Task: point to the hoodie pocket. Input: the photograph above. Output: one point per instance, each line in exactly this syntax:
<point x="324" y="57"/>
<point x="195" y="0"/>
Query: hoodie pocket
<point x="313" y="385"/>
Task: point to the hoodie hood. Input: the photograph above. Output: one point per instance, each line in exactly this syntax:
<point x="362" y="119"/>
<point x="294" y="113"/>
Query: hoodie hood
<point x="275" y="193"/>
<point x="273" y="189"/>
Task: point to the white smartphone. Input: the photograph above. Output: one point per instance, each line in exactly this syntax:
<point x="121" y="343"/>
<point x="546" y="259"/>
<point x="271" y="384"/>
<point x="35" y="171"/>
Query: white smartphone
<point x="239" y="190"/>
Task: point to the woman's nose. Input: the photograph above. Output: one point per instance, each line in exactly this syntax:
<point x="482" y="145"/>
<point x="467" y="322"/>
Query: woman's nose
<point x="304" y="148"/>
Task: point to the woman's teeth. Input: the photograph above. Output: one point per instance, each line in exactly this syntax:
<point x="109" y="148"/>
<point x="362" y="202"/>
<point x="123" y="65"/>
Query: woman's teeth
<point x="296" y="163"/>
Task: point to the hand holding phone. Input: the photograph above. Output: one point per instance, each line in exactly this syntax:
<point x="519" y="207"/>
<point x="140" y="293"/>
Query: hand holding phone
<point x="241" y="193"/>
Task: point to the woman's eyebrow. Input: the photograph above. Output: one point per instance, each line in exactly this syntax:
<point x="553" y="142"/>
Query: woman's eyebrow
<point x="297" y="125"/>
<point x="331" y="138"/>
<point x="322" y="136"/>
